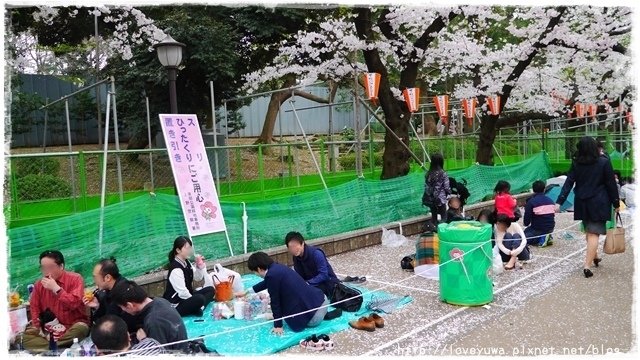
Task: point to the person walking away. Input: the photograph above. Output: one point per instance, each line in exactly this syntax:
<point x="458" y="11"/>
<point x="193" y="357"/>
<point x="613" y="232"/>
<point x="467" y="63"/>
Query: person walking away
<point x="594" y="194"/>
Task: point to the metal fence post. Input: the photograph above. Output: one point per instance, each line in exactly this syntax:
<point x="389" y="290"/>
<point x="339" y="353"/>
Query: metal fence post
<point x="15" y="213"/>
<point x="83" y="180"/>
<point x="71" y="167"/>
<point x="261" y="169"/>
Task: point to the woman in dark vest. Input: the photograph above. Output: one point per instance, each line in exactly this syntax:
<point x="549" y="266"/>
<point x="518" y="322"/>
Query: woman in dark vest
<point x="595" y="194"/>
<point x="179" y="289"/>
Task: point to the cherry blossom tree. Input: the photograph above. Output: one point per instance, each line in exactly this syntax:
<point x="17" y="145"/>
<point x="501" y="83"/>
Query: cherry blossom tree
<point x="521" y="54"/>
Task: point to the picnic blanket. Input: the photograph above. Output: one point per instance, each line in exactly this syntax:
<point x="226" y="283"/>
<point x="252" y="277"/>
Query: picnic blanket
<point x="231" y="337"/>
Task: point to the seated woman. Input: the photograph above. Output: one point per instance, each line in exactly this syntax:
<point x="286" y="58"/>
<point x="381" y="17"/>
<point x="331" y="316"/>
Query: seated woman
<point x="510" y="240"/>
<point x="179" y="288"/>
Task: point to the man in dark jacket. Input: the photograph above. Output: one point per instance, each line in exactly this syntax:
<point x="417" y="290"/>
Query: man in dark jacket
<point x="290" y="295"/>
<point x="539" y="216"/>
<point x="106" y="275"/>
<point x="311" y="263"/>
<point x="160" y="320"/>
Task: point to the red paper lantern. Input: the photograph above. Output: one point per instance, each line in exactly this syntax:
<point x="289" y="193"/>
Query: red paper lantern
<point x="412" y="98"/>
<point x="442" y="106"/>
<point x="371" y="85"/>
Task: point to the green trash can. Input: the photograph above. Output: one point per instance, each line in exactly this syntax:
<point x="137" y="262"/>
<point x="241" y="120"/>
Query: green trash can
<point x="465" y="279"/>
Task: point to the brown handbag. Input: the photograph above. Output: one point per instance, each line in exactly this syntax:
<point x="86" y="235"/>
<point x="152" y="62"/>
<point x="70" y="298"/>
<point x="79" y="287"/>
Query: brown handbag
<point x="224" y="289"/>
<point x="614" y="243"/>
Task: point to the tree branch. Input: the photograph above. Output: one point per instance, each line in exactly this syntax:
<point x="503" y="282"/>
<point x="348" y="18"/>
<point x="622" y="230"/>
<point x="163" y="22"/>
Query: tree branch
<point x="515" y="118"/>
<point x="310" y="96"/>
<point x="523" y="64"/>
<point x="619" y="48"/>
<point x="621" y="31"/>
<point x="410" y="71"/>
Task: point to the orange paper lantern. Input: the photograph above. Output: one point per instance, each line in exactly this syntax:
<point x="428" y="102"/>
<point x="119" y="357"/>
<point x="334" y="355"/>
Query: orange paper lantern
<point x="442" y="106"/>
<point x="371" y="85"/>
<point x="412" y="98"/>
<point x="469" y="107"/>
<point x="494" y="104"/>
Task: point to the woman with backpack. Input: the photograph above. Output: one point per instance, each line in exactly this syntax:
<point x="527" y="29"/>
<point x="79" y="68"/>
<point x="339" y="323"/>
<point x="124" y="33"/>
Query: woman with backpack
<point x="436" y="190"/>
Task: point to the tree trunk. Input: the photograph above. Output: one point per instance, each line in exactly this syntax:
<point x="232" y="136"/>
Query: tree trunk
<point x="277" y="98"/>
<point x="488" y="130"/>
<point x="138" y="140"/>
<point x="395" y="158"/>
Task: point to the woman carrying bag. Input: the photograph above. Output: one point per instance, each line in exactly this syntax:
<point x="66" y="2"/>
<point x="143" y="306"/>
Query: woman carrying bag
<point x="595" y="194"/>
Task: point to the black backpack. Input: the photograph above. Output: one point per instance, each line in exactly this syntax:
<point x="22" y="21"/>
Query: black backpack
<point x="459" y="188"/>
<point x="408" y="262"/>
<point x="342" y="292"/>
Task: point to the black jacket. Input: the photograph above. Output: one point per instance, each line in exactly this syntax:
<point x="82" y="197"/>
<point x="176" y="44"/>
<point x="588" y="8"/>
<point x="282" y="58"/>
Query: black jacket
<point x="595" y="190"/>
<point x="109" y="307"/>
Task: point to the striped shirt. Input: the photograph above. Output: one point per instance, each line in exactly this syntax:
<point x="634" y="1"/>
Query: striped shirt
<point x="150" y="346"/>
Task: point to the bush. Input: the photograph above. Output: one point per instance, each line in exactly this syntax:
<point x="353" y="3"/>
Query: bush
<point x="37" y="166"/>
<point x="347" y="134"/>
<point x="348" y="162"/>
<point x="44" y="186"/>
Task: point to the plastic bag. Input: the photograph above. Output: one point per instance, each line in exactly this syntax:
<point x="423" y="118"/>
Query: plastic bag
<point x="224" y="273"/>
<point x="391" y="239"/>
<point x="497" y="261"/>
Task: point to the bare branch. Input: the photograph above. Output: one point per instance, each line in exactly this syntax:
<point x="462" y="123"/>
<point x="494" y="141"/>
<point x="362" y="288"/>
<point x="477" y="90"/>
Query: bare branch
<point x="621" y="31"/>
<point x="310" y="96"/>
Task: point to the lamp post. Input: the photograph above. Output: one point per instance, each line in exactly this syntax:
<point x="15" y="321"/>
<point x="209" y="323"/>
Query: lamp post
<point x="170" y="55"/>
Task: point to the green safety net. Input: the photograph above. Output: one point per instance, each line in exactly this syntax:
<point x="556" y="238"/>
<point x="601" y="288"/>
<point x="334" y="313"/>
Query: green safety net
<point x="140" y="232"/>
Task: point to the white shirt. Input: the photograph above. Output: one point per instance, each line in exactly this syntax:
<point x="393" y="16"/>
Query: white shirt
<point x="515" y="228"/>
<point x="176" y="278"/>
<point x="627" y="193"/>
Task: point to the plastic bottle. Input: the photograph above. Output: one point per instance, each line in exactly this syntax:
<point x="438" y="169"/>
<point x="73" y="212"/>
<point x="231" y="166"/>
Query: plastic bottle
<point x="30" y="288"/>
<point x="75" y="349"/>
<point x="53" y="345"/>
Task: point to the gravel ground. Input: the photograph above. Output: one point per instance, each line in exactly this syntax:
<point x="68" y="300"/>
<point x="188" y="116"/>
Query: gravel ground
<point x="546" y="308"/>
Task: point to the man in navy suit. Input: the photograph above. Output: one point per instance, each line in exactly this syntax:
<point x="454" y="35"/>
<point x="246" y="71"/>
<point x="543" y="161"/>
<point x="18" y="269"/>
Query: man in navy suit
<point x="290" y="295"/>
<point x="311" y="263"/>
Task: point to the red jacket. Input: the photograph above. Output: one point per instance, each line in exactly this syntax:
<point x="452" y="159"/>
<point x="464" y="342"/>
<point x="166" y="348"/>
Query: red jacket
<point x="66" y="305"/>
<point x="505" y="204"/>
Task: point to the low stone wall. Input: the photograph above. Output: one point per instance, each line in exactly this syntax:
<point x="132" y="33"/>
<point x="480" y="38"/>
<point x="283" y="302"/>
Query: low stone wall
<point x="331" y="245"/>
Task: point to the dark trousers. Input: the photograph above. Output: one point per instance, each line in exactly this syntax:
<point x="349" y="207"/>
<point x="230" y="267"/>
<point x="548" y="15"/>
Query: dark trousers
<point x="435" y="210"/>
<point x="196" y="303"/>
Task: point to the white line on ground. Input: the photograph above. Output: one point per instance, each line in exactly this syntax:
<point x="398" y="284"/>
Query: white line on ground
<point x="455" y="312"/>
<point x="546" y="257"/>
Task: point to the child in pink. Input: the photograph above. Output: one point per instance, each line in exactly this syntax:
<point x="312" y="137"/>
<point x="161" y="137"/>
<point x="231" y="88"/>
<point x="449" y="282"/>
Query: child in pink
<point x="504" y="202"/>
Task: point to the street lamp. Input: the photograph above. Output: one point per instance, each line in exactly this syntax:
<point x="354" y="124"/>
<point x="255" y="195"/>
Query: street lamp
<point x="170" y="55"/>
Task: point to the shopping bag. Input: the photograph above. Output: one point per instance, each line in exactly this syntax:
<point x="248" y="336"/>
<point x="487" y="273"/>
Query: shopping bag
<point x="614" y="243"/>
<point x="224" y="289"/>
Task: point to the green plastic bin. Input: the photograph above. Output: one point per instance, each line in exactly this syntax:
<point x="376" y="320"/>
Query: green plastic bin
<point x="465" y="280"/>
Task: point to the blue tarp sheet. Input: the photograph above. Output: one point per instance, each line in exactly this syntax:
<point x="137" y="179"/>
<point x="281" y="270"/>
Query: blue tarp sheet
<point x="231" y="337"/>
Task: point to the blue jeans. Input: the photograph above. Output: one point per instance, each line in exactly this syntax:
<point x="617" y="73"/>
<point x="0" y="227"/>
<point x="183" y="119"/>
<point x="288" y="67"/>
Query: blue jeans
<point x="320" y="313"/>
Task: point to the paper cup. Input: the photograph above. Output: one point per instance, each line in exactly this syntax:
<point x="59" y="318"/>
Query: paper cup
<point x="238" y="309"/>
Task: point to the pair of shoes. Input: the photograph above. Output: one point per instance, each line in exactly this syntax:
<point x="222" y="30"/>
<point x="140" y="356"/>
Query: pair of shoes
<point x="377" y="320"/>
<point x="317" y="343"/>
<point x="355" y="279"/>
<point x="587" y="273"/>
<point x="369" y="323"/>
<point x="597" y="261"/>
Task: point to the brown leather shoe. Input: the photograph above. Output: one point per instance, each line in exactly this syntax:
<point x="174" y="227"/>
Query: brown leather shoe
<point x="377" y="320"/>
<point x="363" y="324"/>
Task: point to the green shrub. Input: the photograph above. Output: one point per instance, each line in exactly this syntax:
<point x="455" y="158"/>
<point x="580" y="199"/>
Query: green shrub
<point x="44" y="186"/>
<point x="347" y="134"/>
<point x="37" y="166"/>
<point x="348" y="162"/>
